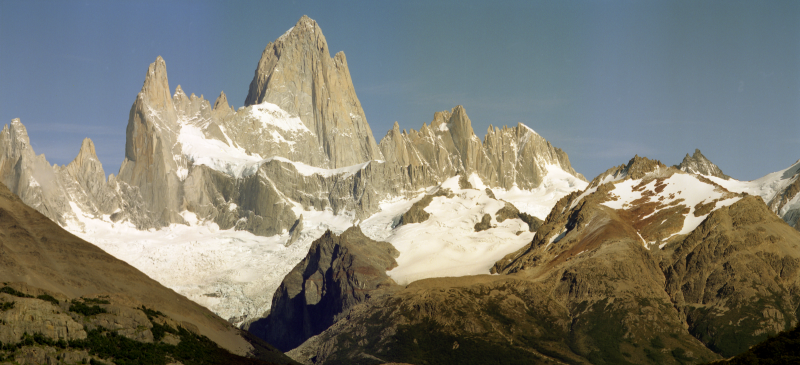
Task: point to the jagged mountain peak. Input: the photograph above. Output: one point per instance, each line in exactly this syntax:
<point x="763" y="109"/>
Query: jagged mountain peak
<point x="460" y="122"/>
<point x="636" y="168"/>
<point x="156" y="84"/>
<point x="440" y="118"/>
<point x="304" y="26"/>
<point x="18" y="132"/>
<point x="87" y="149"/>
<point x="222" y="102"/>
<point x="507" y="158"/>
<point x="86" y="162"/>
<point x="699" y="164"/>
<point x="305" y="37"/>
<point x="297" y="73"/>
<point x="179" y="93"/>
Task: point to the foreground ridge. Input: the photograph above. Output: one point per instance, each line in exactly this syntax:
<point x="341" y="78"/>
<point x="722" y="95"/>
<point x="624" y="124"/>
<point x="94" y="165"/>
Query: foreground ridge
<point x="63" y="300"/>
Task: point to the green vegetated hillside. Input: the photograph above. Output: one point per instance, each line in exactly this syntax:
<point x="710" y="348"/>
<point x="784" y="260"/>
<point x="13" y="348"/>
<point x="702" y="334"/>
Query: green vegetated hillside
<point x="602" y="283"/>
<point x="65" y="301"/>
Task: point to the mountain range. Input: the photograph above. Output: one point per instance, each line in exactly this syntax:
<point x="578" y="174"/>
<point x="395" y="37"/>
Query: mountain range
<point x="287" y="219"/>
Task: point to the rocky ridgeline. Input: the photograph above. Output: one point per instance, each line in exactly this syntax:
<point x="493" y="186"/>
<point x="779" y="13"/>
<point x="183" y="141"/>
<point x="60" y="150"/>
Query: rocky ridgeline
<point x="51" y="189"/>
<point x="507" y="157"/>
<point x="301" y="142"/>
<point x="699" y="164"/>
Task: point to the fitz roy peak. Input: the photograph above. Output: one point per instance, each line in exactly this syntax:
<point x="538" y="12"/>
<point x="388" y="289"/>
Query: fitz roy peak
<point x="259" y="167"/>
<point x="297" y="73"/>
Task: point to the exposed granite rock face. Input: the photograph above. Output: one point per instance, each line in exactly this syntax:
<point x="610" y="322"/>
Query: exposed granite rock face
<point x="30" y="176"/>
<point x="508" y="157"/>
<point x="297" y="73"/>
<point x="250" y="129"/>
<point x="699" y="164"/>
<point x="295" y="231"/>
<point x="93" y="193"/>
<point x="150" y="145"/>
<point x="221" y="107"/>
<point x="302" y="142"/>
<point x="50" y="189"/>
<point x="520" y="156"/>
<point x="338" y="273"/>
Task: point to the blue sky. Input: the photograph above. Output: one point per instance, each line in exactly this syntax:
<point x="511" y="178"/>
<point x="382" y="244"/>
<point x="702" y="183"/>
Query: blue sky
<point x="601" y="80"/>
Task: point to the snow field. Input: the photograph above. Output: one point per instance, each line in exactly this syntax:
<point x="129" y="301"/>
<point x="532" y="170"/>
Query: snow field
<point x="767" y="187"/>
<point x="218" y="155"/>
<point x="447" y="244"/>
<point x="272" y="115"/>
<point x="539" y="201"/>
<point x="233" y="273"/>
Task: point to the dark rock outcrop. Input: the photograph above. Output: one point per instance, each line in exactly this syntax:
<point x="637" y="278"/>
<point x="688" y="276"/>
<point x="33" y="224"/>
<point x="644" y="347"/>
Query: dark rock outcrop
<point x="509" y="211"/>
<point x="484" y="224"/>
<point x="338" y="273"/>
<point x="417" y="213"/>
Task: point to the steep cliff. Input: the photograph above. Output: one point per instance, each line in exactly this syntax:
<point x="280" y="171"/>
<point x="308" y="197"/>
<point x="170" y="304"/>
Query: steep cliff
<point x="297" y="73"/>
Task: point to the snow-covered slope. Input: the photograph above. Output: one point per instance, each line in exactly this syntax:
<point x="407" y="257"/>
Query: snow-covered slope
<point x="659" y="202"/>
<point x="447" y="244"/>
<point x="690" y="195"/>
<point x="780" y="190"/>
<point x="235" y="273"/>
<point x="226" y="155"/>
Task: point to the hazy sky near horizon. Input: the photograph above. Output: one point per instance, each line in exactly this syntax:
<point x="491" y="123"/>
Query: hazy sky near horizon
<point x="601" y="80"/>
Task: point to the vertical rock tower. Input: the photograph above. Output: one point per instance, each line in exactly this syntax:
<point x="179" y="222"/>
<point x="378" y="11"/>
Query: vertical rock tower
<point x="297" y="73"/>
<point x="150" y="146"/>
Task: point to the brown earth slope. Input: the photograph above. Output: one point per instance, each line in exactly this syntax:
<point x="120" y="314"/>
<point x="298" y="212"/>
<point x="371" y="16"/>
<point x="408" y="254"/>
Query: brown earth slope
<point x="37" y="257"/>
